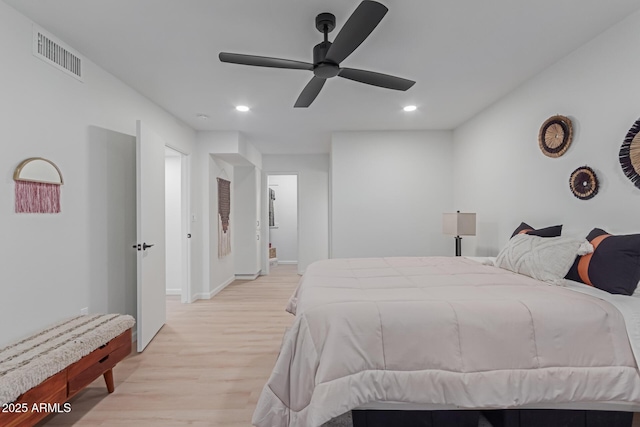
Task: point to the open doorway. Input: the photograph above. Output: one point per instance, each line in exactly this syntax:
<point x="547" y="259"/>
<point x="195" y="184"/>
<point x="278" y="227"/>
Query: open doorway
<point x="283" y="219"/>
<point x="177" y="224"/>
<point x="112" y="222"/>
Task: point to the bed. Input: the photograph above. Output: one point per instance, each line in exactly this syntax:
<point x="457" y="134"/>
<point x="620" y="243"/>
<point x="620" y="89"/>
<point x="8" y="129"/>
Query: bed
<point x="448" y="333"/>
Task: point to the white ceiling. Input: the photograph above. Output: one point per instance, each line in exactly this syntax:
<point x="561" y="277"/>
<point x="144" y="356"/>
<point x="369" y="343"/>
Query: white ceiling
<point x="464" y="55"/>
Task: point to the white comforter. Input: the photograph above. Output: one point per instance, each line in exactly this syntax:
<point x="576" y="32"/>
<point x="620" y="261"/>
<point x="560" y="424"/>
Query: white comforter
<point x="441" y="331"/>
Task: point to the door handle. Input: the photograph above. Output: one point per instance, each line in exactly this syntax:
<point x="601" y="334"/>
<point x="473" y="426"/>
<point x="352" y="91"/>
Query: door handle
<point x="145" y="246"/>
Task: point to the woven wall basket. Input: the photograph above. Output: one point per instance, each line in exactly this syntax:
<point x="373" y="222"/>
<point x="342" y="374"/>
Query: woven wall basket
<point x="584" y="183"/>
<point x="630" y="154"/>
<point x="555" y="136"/>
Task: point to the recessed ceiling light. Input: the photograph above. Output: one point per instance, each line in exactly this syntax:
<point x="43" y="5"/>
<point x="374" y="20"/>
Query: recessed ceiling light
<point x="242" y="108"/>
<point x="202" y="116"/>
<point x="410" y="108"/>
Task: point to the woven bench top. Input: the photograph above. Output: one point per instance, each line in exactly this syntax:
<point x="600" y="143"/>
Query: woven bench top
<point x="30" y="361"/>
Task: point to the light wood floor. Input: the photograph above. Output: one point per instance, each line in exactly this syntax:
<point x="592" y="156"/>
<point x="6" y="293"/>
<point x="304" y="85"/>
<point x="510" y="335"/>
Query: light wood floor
<point x="206" y="366"/>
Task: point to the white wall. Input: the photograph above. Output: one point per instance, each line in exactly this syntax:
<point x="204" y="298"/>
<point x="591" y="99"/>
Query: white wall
<point x="204" y="186"/>
<point x="220" y="270"/>
<point x="217" y="155"/>
<point x="249" y="152"/>
<point x="246" y="185"/>
<point x="285" y="237"/>
<point x="501" y="174"/>
<point x="389" y="190"/>
<point x="46" y="271"/>
<point x="173" y="223"/>
<point x="313" y="190"/>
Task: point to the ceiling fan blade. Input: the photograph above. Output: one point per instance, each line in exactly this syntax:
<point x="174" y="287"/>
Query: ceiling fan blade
<point x="376" y="79"/>
<point x="309" y="93"/>
<point x="263" y="61"/>
<point x="360" y="24"/>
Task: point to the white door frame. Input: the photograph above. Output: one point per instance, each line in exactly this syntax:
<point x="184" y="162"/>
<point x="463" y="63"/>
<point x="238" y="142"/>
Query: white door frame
<point x="264" y="235"/>
<point x="265" y="216"/>
<point x="185" y="231"/>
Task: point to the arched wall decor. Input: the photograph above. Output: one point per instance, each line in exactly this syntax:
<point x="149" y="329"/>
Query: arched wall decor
<point x="38" y="184"/>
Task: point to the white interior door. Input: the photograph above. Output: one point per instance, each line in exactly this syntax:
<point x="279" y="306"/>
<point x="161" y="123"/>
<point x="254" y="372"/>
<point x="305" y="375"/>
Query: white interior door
<point x="150" y="234"/>
<point x="186" y="229"/>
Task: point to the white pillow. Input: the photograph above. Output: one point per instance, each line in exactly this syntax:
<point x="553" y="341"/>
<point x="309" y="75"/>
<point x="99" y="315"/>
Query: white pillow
<point x="636" y="293"/>
<point x="544" y="258"/>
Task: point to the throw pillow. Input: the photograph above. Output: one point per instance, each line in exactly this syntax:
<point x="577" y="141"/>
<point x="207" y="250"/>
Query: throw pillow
<point x="543" y="258"/>
<point x="525" y="228"/>
<point x="614" y="265"/>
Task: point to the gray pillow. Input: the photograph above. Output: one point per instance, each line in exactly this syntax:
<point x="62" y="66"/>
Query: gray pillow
<point x="544" y="258"/>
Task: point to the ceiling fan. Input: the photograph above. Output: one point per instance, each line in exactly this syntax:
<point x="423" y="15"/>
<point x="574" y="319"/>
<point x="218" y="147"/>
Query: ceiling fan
<point x="327" y="56"/>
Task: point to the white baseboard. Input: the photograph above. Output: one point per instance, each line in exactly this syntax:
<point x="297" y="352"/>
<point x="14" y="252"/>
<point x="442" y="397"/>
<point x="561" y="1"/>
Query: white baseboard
<point x="174" y="291"/>
<point x="248" y="276"/>
<point x="209" y="295"/>
<point x="288" y="262"/>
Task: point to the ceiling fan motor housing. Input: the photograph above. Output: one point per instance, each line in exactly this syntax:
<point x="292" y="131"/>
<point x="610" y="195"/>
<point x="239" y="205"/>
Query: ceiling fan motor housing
<point x="323" y="69"/>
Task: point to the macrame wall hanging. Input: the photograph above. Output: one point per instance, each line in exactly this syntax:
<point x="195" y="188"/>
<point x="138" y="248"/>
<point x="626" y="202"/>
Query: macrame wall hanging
<point x="224" y="211"/>
<point x="38" y="184"/>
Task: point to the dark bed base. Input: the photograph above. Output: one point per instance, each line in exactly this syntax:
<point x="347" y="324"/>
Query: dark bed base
<point x="557" y="418"/>
<point x="497" y="418"/>
<point x="415" y="418"/>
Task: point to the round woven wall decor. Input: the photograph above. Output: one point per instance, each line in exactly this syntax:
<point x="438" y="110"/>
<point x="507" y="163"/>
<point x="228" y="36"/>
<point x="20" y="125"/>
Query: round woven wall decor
<point x="555" y="136"/>
<point x="584" y="183"/>
<point x="630" y="154"/>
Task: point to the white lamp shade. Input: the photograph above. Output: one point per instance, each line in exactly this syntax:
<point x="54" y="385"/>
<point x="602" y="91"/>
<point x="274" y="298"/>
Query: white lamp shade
<point x="459" y="224"/>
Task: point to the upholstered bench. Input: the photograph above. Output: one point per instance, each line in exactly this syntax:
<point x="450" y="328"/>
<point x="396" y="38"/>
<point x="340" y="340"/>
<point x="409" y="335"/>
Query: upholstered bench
<point x="49" y="368"/>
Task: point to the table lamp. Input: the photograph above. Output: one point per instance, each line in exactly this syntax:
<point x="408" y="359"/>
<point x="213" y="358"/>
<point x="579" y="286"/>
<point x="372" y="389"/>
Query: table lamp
<point x="459" y="224"/>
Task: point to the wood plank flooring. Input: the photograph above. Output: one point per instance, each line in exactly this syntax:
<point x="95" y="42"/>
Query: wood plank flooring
<point x="206" y="366"/>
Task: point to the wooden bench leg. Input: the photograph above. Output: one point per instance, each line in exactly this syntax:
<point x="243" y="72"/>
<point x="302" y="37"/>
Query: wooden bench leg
<point x="108" y="378"/>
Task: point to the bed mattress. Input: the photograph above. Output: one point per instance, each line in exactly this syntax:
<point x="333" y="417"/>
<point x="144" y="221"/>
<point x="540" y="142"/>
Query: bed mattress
<point x="442" y="331"/>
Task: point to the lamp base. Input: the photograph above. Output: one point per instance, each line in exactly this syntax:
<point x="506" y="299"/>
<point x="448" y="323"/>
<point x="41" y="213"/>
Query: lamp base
<point x="458" y="245"/>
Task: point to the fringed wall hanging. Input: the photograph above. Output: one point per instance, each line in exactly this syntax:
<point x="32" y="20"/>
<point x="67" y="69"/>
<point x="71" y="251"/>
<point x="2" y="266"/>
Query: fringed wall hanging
<point x="555" y="136"/>
<point x="38" y="184"/>
<point x="224" y="211"/>
<point x="630" y="154"/>
<point x="584" y="183"/>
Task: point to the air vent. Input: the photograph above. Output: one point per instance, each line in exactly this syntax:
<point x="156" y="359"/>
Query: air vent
<point x="52" y="51"/>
